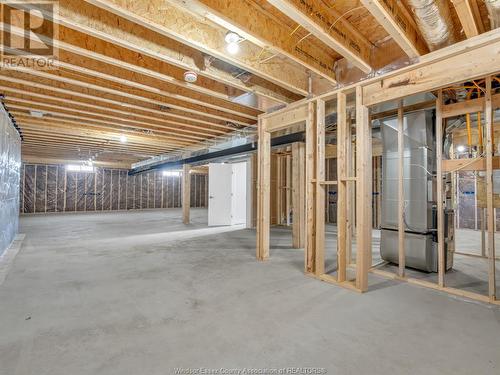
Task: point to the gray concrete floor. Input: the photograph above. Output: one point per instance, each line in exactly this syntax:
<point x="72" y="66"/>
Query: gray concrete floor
<point x="140" y="293"/>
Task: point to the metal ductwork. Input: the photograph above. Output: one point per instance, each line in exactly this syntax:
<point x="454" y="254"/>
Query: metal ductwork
<point x="493" y="7"/>
<point x="434" y="21"/>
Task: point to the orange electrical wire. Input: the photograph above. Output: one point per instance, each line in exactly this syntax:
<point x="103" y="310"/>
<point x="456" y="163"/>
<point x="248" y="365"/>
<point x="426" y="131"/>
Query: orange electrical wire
<point x="479" y="125"/>
<point x="480" y="132"/>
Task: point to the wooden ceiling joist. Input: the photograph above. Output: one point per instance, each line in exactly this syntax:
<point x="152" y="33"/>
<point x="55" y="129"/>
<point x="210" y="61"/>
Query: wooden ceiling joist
<point x="86" y="119"/>
<point x="466" y="16"/>
<point x="83" y="61"/>
<point x="89" y="150"/>
<point x="47" y="159"/>
<point x="115" y="39"/>
<point x="328" y="26"/>
<point x="264" y="31"/>
<point x="148" y="27"/>
<point x="64" y="143"/>
<point x="156" y="124"/>
<point x="116" y="97"/>
<point x="124" y="123"/>
<point x="54" y="135"/>
<point x="102" y="133"/>
<point x="143" y="143"/>
<point x="28" y="86"/>
<point x="83" y="152"/>
<point x="104" y="88"/>
<point x="184" y="104"/>
<point x="75" y="120"/>
<point x="399" y="24"/>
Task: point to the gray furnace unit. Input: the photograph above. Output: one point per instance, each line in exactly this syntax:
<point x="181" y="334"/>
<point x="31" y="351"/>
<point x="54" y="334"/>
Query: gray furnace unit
<point x="420" y="215"/>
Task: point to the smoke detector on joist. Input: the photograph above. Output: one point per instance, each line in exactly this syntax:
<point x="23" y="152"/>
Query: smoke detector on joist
<point x="190" y="76"/>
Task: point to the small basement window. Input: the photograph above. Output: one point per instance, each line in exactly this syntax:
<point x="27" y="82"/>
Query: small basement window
<point x="80" y="168"/>
<point x="172" y="173"/>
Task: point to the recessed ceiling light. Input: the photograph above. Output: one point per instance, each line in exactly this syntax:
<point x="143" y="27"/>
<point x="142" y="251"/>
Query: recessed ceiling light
<point x="233" y="48"/>
<point x="231" y="37"/>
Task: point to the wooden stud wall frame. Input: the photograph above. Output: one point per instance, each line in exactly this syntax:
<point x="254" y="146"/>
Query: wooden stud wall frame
<point x="430" y="74"/>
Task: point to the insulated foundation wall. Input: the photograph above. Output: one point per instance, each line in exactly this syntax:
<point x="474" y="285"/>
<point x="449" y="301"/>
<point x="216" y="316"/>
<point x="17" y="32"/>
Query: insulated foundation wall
<point x="10" y="164"/>
<point x="52" y="188"/>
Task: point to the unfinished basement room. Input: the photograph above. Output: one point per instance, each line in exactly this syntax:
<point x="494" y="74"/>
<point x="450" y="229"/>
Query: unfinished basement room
<point x="249" y="187"/>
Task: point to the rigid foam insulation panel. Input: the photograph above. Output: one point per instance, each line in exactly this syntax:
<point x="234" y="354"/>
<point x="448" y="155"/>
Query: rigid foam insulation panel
<point x="51" y="188"/>
<point x="10" y="168"/>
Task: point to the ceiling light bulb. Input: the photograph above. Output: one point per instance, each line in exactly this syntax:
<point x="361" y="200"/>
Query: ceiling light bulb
<point x="461" y="148"/>
<point x="233" y="48"/>
<point x="231" y="37"/>
<point x="123" y="139"/>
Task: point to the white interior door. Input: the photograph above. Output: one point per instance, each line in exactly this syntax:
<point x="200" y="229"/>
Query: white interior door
<point x="239" y="194"/>
<point x="219" y="194"/>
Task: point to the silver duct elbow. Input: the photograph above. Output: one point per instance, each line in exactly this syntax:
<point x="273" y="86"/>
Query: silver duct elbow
<point x="493" y="7"/>
<point x="434" y="21"/>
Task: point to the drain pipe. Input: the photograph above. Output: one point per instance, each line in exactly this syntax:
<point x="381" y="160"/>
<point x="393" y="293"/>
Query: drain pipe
<point x="434" y="21"/>
<point x="493" y="7"/>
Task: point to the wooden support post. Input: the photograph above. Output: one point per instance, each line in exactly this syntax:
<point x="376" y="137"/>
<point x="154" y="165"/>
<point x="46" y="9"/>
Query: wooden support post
<point x="263" y="191"/>
<point x="279" y="189"/>
<point x="298" y="195"/>
<point x="350" y="191"/>
<point x="254" y="161"/>
<point x="483" y="231"/>
<point x="439" y="185"/>
<point x="363" y="192"/>
<point x="186" y="193"/>
<point x="488" y="114"/>
<point x="343" y="127"/>
<point x="319" y="266"/>
<point x="310" y="189"/>
<point x="288" y="190"/>
<point x="401" y="196"/>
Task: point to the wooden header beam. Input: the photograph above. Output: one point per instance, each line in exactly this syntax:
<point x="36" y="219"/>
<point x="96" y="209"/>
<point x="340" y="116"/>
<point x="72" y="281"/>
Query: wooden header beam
<point x="473" y="58"/>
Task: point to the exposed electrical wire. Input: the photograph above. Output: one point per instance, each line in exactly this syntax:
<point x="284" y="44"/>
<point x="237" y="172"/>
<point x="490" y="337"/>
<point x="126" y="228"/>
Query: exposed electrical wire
<point x="307" y="35"/>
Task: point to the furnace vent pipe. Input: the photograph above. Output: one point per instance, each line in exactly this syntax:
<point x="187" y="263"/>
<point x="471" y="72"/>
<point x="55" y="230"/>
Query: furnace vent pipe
<point x="434" y="21"/>
<point x="493" y="7"/>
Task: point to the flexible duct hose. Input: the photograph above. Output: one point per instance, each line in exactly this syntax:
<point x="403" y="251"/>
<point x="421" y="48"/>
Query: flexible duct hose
<point x="434" y="21"/>
<point x="493" y="7"/>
